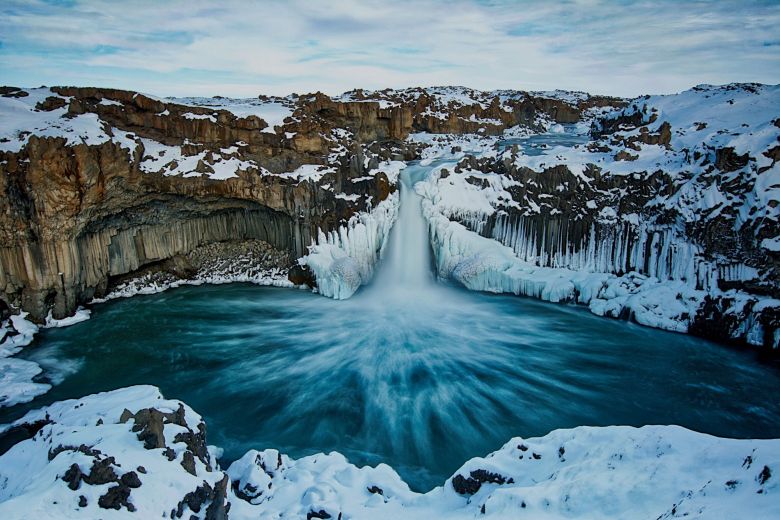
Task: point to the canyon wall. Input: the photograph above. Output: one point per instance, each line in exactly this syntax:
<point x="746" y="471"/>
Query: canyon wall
<point x="98" y="183"/>
<point x="674" y="199"/>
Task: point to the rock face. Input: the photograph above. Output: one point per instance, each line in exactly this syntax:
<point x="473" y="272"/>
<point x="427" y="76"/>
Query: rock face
<point x="103" y="185"/>
<point x="98" y="183"/>
<point x="673" y="199"/>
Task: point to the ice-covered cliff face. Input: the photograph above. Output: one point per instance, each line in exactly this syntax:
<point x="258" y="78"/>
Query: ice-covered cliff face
<point x="667" y="214"/>
<point x="132" y="453"/>
<point x="344" y="259"/>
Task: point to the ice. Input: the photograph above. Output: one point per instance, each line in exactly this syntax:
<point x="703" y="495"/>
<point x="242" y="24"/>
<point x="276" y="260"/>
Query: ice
<point x="80" y="315"/>
<point x="16" y="375"/>
<point x="344" y="259"/>
<point x="16" y="381"/>
<point x="484" y="264"/>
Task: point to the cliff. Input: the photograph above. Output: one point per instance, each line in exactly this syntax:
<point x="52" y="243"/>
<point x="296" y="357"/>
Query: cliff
<point x="666" y="214"/>
<point x="100" y="183"/>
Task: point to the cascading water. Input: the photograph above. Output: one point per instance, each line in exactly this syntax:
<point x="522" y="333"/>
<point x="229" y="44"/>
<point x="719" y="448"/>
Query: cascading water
<point x="408" y="372"/>
<point x="407" y="266"/>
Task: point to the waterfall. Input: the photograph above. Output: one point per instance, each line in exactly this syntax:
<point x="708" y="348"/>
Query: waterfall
<point x="407" y="266"/>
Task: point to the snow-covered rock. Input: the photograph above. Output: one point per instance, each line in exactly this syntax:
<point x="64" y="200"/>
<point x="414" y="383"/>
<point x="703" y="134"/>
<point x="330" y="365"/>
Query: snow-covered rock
<point x="131" y="453"/>
<point x="669" y="214"/>
<point x="126" y="453"/>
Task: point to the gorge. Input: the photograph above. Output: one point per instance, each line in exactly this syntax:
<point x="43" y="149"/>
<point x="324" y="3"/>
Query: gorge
<point x="660" y="210"/>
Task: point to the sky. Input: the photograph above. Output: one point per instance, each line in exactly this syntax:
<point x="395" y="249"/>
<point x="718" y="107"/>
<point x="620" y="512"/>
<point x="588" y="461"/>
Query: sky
<point x="245" y="48"/>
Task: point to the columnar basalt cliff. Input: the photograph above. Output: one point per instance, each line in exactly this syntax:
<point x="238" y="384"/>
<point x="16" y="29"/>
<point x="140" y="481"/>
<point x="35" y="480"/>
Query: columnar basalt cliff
<point x="672" y="204"/>
<point x="98" y="183"/>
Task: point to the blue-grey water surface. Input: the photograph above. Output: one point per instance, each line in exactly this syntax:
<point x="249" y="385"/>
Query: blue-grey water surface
<point x="423" y="387"/>
<point x="409" y="372"/>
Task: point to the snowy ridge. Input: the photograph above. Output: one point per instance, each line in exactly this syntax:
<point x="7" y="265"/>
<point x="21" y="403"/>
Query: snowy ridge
<point x="131" y="453"/>
<point x="273" y="111"/>
<point x="20" y="119"/>
<point x="344" y="259"/>
<point x="443" y="97"/>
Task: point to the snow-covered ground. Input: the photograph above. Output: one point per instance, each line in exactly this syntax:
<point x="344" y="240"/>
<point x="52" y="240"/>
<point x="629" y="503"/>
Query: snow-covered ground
<point x="273" y="111"/>
<point x="131" y="453"/>
<point x="19" y="120"/>
<point x="170" y="160"/>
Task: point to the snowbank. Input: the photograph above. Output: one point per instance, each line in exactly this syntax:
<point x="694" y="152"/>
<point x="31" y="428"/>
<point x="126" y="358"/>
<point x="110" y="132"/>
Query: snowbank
<point x="16" y="375"/>
<point x="131" y="453"/>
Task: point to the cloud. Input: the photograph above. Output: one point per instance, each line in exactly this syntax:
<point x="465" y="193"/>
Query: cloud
<point x="245" y="48"/>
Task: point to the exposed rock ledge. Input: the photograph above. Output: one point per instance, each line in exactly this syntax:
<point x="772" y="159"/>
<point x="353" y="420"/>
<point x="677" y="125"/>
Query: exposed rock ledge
<point x="131" y="453"/>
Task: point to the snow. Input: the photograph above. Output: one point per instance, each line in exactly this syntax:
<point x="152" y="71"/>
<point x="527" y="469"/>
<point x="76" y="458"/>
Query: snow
<point x="445" y="146"/>
<point x="308" y="172"/>
<point x="147" y="285"/>
<point x="190" y="115"/>
<point x="584" y="472"/>
<point x="34" y="486"/>
<point x="771" y="244"/>
<point x="667" y="275"/>
<point x="170" y="161"/>
<point x="19" y="119"/>
<point x="80" y="315"/>
<point x="392" y="169"/>
<point x="16" y="375"/>
<point x="350" y="198"/>
<point x="344" y="259"/>
<point x="454" y="194"/>
<point x="667" y="297"/>
<point x="273" y="112"/>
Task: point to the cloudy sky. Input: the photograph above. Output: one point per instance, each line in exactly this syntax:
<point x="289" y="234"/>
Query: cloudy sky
<point x="242" y="48"/>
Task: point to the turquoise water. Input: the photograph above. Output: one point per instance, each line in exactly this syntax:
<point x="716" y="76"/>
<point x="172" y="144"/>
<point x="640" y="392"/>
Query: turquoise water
<point x="422" y="386"/>
<point x="409" y="372"/>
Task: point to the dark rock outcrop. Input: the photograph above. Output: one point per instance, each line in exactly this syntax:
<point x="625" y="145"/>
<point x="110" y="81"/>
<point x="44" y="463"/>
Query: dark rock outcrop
<point x="472" y="484"/>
